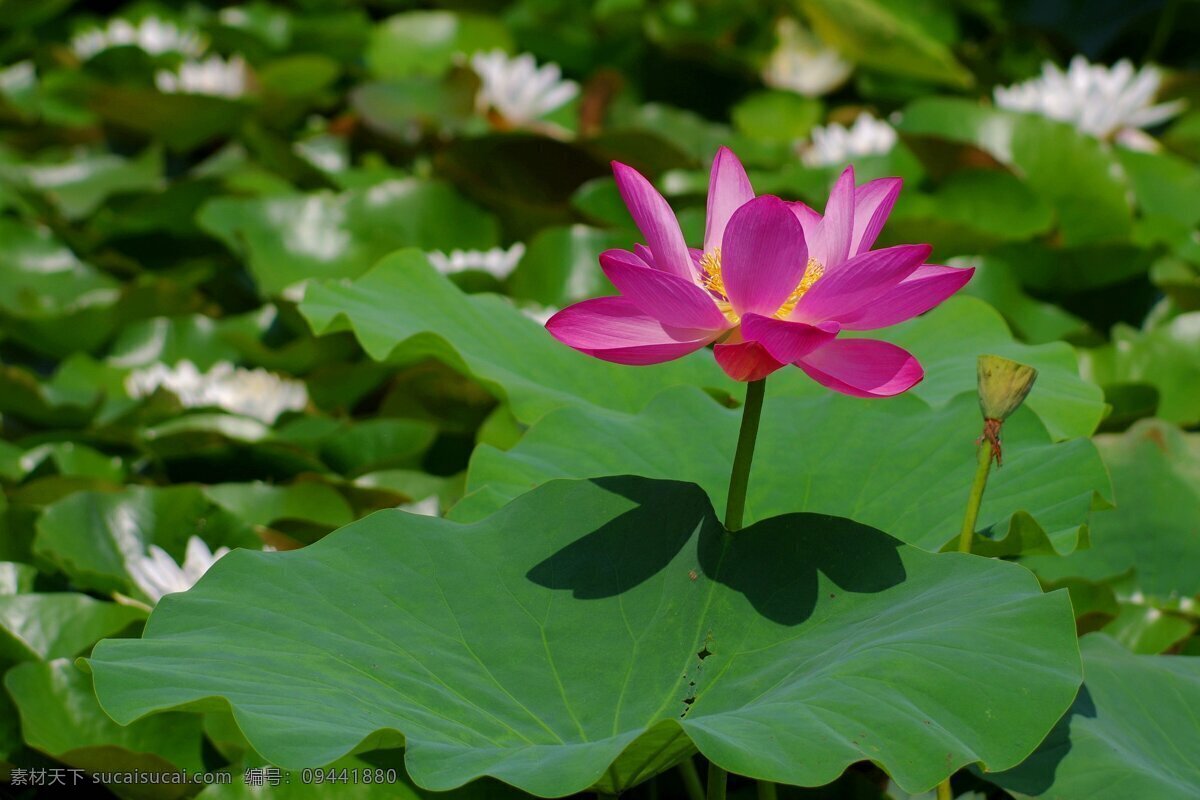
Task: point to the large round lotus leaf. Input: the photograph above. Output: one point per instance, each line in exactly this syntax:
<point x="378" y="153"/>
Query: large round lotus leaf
<point x="592" y="632"/>
<point x="60" y="717"/>
<point x="1072" y="171"/>
<point x="900" y="466"/>
<point x="1132" y="732"/>
<point x="288" y="239"/>
<point x="58" y="624"/>
<point x="1152" y="532"/>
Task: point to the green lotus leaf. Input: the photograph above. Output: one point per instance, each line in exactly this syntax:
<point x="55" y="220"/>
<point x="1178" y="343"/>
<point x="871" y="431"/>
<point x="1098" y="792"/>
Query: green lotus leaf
<point x="58" y="625"/>
<point x="1155" y="470"/>
<point x="426" y="42"/>
<point x="561" y="267"/>
<point x="61" y="718"/>
<point x="970" y="210"/>
<point x="1165" y="355"/>
<point x="91" y="535"/>
<point x="292" y="238"/>
<point x="887" y="464"/>
<point x="1128" y="734"/>
<point x="1145" y="629"/>
<point x="79" y="184"/>
<point x="1035" y="321"/>
<point x="261" y="503"/>
<point x="890" y="37"/>
<point x="404" y="305"/>
<point x="600" y="651"/>
<point x="180" y="121"/>
<point x="377" y="444"/>
<point x="1073" y="172"/>
<point x="1068" y="405"/>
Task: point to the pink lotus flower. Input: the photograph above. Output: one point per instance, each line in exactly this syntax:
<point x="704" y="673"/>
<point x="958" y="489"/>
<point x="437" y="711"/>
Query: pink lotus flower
<point x="775" y="284"/>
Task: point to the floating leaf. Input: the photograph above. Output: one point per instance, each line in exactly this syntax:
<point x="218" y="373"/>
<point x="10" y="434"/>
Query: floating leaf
<point x="262" y="504"/>
<point x="1075" y="173"/>
<point x="289" y="239"/>
<point x="1155" y="469"/>
<point x="890" y="37"/>
<point x="427" y="42"/>
<point x="91" y="535"/>
<point x="882" y="464"/>
<point x="81" y="183"/>
<point x="1128" y="731"/>
<point x="404" y="306"/>
<point x="58" y="625"/>
<point x="61" y="718"/>
<point x="481" y="644"/>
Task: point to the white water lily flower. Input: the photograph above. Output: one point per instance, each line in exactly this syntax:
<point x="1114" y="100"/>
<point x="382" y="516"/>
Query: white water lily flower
<point x="429" y="507"/>
<point x="252" y="393"/>
<point x="153" y="35"/>
<point x="804" y="64"/>
<point x="17" y="78"/>
<point x="213" y="76"/>
<point x="837" y="145"/>
<point x="1105" y="102"/>
<point x="497" y="261"/>
<point x="517" y="89"/>
<point x="157" y="574"/>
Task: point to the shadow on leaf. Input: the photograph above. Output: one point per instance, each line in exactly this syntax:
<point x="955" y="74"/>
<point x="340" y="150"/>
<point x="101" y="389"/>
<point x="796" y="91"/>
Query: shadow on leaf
<point x="773" y="563"/>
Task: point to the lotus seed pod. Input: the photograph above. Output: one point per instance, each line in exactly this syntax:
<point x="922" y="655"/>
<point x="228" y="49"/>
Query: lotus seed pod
<point x="1003" y="385"/>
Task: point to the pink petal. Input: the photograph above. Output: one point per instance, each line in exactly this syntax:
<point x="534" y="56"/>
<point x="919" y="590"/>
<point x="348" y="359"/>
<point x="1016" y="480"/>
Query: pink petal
<point x="916" y="294"/>
<point x="655" y="220"/>
<point x="763" y="256"/>
<point x="873" y="203"/>
<point x="858" y="282"/>
<point x="728" y="190"/>
<point x="613" y="329"/>
<point x="832" y="244"/>
<point x="745" y="361"/>
<point x="667" y="298"/>
<point x="786" y="341"/>
<point x="863" y="367"/>
<point x="809" y="220"/>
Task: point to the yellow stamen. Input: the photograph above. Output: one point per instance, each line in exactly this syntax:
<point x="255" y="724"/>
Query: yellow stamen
<point x="710" y="262"/>
<point x="710" y="265"/>
<point x="812" y="273"/>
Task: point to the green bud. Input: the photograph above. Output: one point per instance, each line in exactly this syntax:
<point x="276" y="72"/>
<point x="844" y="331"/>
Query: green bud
<point x="1003" y="385"/>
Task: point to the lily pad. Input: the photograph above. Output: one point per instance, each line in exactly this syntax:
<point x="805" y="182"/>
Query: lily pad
<point x="79" y="184"/>
<point x="1068" y="405"/>
<point x="291" y="238"/>
<point x="403" y="308"/>
<point x="1155" y="469"/>
<point x="1075" y="173"/>
<point x="1128" y="734"/>
<point x="883" y="464"/>
<point x="58" y="625"/>
<point x="91" y="535"/>
<point x="631" y="629"/>
<point x="61" y="718"/>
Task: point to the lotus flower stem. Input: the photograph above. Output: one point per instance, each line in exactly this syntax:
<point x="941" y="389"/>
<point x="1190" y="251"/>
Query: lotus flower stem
<point x="945" y="791"/>
<point x="976" y="497"/>
<point x="691" y="779"/>
<point x="766" y="791"/>
<point x="716" y="775"/>
<point x="739" y="479"/>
